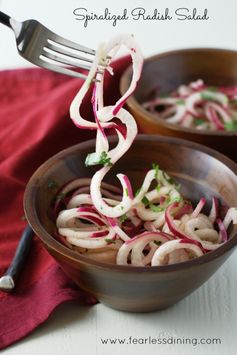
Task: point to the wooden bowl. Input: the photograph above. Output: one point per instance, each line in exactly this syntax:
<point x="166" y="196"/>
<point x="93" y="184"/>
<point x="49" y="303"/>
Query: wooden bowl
<point x="200" y="170"/>
<point x="167" y="71"/>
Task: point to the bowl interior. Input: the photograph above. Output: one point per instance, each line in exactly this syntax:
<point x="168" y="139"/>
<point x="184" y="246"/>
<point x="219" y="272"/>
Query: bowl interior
<point x="169" y="70"/>
<point x="200" y="170"/>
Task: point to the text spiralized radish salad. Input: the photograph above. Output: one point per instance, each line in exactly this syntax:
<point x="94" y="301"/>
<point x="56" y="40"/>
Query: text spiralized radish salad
<point x="156" y="225"/>
<point x="198" y="106"/>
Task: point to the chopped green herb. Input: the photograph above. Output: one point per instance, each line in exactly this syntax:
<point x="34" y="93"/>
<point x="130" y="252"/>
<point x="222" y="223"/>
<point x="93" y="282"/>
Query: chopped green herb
<point x="105" y="159"/>
<point x="206" y="95"/>
<point x="187" y="202"/>
<point x="199" y="122"/>
<point x="52" y="185"/>
<point x="123" y="218"/>
<point x="169" y="179"/>
<point x="172" y="181"/>
<point x="138" y="191"/>
<point x="212" y="88"/>
<point x="145" y="201"/>
<point x="175" y="199"/>
<point x="157" y="242"/>
<point x="156" y="208"/>
<point x="92" y="159"/>
<point x="231" y="126"/>
<point x="109" y="240"/>
<point x="158" y="187"/>
<point x="180" y="102"/>
<point x="210" y="95"/>
<point x="126" y="191"/>
<point x="156" y="168"/>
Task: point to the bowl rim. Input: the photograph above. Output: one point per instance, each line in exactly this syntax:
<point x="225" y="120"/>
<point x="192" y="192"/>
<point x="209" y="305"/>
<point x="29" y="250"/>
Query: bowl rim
<point x="148" y="116"/>
<point x="53" y="244"/>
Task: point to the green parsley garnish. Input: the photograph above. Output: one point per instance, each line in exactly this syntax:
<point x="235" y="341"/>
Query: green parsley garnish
<point x="137" y="192"/>
<point x="231" y="126"/>
<point x="170" y="180"/>
<point x="187" y="202"/>
<point x="174" y="199"/>
<point x="109" y="240"/>
<point x="52" y="185"/>
<point x="123" y="218"/>
<point x="156" y="208"/>
<point x="212" y="88"/>
<point x="156" y="168"/>
<point x="126" y="191"/>
<point x="145" y="201"/>
<point x="210" y="95"/>
<point x="180" y="102"/>
<point x="206" y="95"/>
<point x="198" y="122"/>
<point x="104" y="159"/>
<point x="158" y="187"/>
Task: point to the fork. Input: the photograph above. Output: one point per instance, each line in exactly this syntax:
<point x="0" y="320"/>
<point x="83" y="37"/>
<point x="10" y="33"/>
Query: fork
<point x="44" y="48"/>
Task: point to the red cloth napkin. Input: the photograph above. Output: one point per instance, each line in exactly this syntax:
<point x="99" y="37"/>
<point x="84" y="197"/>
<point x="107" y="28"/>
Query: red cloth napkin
<point x="34" y="125"/>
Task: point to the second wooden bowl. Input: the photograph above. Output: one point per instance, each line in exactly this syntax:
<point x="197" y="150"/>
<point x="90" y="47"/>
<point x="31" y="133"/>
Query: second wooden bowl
<point x="171" y="69"/>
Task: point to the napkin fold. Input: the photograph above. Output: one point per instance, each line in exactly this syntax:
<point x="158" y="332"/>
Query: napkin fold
<point x="34" y="125"/>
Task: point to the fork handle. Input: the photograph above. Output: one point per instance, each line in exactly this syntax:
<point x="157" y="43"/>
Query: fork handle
<point x="22" y="251"/>
<point x="5" y="19"/>
<point x="8" y="281"/>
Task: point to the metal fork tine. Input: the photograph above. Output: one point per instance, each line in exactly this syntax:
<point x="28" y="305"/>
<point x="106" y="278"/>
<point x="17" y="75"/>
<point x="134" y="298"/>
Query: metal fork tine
<point x="59" y="50"/>
<point x="40" y="46"/>
<point x="62" y="41"/>
<point x="45" y="64"/>
<point x="65" y="60"/>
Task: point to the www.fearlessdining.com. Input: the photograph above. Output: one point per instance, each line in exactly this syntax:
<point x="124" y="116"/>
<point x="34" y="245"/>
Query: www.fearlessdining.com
<point x="160" y="341"/>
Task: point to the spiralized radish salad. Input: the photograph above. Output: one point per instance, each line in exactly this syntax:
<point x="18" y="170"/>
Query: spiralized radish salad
<point x="154" y="226"/>
<point x="198" y="106"/>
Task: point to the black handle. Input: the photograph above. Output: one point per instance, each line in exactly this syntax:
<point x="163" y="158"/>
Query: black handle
<point x="8" y="281"/>
<point x="22" y="251"/>
<point x="5" y="19"/>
